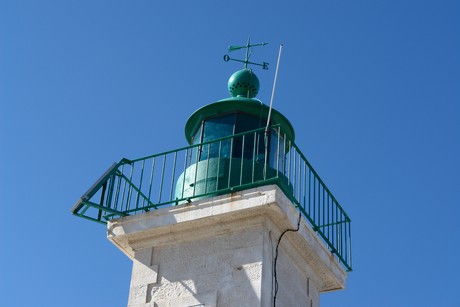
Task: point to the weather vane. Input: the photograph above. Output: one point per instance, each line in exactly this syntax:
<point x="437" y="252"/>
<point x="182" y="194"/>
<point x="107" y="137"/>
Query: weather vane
<point x="248" y="54"/>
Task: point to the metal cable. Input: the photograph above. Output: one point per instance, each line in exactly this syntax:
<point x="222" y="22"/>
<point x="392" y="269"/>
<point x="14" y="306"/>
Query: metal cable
<point x="276" y="257"/>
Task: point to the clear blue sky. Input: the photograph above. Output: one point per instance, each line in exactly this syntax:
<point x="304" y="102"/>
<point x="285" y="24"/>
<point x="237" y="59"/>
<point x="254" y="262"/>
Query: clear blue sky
<point x="371" y="87"/>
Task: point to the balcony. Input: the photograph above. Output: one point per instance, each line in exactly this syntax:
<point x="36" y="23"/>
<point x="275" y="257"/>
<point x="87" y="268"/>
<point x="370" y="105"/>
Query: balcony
<point x="247" y="160"/>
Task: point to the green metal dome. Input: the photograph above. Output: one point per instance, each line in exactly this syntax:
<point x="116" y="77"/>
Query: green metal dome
<point x="243" y="83"/>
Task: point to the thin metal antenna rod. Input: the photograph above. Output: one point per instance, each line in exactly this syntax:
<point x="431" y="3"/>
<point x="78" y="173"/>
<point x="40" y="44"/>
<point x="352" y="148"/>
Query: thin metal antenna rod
<point x="270" y="113"/>
<point x="273" y="90"/>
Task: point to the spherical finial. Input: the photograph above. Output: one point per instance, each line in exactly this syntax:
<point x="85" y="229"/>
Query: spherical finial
<point x="243" y="83"/>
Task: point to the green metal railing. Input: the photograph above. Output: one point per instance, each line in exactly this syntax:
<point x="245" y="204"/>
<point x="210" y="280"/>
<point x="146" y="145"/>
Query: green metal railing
<point x="246" y="160"/>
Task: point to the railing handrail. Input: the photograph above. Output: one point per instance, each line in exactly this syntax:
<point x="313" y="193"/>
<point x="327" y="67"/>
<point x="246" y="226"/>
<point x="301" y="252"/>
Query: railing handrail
<point x="319" y="178"/>
<point x="128" y="161"/>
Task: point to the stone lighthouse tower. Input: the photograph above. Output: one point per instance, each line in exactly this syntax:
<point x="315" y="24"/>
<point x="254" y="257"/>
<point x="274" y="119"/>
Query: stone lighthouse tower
<point x="239" y="217"/>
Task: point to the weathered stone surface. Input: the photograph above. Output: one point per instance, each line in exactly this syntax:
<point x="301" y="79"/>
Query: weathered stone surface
<point x="219" y="252"/>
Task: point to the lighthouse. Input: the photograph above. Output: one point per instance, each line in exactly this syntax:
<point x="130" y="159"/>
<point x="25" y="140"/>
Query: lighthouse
<point x="238" y="217"/>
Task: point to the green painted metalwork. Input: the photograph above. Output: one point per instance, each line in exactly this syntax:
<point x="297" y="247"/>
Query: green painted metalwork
<point x="243" y="83"/>
<point x="237" y="104"/>
<point x="248" y="47"/>
<point x="213" y="168"/>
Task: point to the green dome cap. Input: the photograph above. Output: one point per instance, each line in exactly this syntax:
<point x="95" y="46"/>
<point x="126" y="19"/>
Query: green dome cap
<point x="243" y="83"/>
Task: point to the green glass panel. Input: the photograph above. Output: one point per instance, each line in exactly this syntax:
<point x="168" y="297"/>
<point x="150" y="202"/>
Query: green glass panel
<point x="216" y="128"/>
